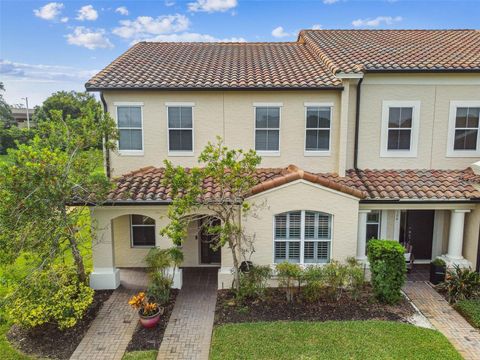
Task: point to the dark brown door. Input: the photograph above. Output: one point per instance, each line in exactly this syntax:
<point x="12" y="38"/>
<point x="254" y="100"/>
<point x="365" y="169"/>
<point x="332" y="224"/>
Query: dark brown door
<point x="207" y="254"/>
<point x="417" y="229"/>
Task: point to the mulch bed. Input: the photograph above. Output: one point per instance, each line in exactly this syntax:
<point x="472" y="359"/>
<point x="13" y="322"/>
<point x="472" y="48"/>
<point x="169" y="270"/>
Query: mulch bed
<point x="150" y="339"/>
<point x="274" y="307"/>
<point x="47" y="341"/>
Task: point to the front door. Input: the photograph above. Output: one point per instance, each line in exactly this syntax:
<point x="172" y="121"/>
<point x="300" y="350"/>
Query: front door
<point x="207" y="254"/>
<point x="416" y="228"/>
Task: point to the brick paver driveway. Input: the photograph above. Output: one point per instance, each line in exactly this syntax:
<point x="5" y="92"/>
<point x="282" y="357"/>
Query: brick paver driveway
<point x="461" y="334"/>
<point x="189" y="330"/>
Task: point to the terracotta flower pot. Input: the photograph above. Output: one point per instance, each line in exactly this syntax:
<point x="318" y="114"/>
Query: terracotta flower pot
<point x="152" y="320"/>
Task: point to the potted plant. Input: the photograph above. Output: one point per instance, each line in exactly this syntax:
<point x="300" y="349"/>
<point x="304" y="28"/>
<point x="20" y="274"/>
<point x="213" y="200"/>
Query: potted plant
<point x="438" y="268"/>
<point x="148" y="311"/>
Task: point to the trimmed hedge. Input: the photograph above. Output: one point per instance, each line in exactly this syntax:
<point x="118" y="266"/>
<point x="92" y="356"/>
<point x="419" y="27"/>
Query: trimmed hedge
<point x="387" y="266"/>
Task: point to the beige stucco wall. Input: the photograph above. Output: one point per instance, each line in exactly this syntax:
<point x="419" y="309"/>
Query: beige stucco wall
<point x="229" y="114"/>
<point x="434" y="91"/>
<point x="471" y="236"/>
<point x="304" y="196"/>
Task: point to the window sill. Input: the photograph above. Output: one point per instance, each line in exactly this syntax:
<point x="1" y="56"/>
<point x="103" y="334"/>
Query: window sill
<point x="130" y="152"/>
<point x="268" y="153"/>
<point x="180" y="153"/>
<point x="398" y="154"/>
<point x="463" y="154"/>
<point x="317" y="153"/>
<point x="142" y="246"/>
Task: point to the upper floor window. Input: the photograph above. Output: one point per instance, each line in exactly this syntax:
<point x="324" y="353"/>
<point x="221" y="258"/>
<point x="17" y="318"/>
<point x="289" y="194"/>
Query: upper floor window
<point x="267" y="128"/>
<point x="302" y="237"/>
<point x="317" y="132"/>
<point x="130" y="127"/>
<point x="464" y="139"/>
<point x="180" y="128"/>
<point x="142" y="230"/>
<point x="400" y="123"/>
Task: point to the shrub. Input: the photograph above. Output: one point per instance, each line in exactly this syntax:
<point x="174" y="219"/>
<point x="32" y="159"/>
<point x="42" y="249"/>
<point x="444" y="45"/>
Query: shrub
<point x="289" y="277"/>
<point x="470" y="309"/>
<point x="10" y="137"/>
<point x="313" y="277"/>
<point x="53" y="295"/>
<point x="387" y="266"/>
<point x="254" y="281"/>
<point x="460" y="284"/>
<point x="162" y="264"/>
<point x="335" y="276"/>
<point x="355" y="277"/>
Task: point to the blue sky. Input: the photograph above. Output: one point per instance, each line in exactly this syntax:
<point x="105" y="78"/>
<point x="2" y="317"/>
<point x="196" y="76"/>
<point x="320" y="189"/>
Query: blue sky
<point x="50" y="46"/>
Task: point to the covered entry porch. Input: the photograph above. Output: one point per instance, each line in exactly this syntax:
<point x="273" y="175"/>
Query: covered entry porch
<point x="427" y="230"/>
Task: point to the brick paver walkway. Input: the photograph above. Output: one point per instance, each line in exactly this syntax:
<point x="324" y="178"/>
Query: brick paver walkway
<point x="445" y="319"/>
<point x="111" y="331"/>
<point x="189" y="330"/>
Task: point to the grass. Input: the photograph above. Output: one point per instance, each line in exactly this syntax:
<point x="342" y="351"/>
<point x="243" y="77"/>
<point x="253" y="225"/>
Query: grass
<point x="6" y="350"/>
<point x="470" y="310"/>
<point x="141" y="355"/>
<point x="329" y="340"/>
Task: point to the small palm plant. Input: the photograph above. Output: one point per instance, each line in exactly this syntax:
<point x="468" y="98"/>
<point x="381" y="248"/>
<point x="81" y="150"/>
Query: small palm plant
<point x="460" y="284"/>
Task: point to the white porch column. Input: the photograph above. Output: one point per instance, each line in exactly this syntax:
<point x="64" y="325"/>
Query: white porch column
<point x="455" y="239"/>
<point x="105" y="275"/>
<point x="362" y="235"/>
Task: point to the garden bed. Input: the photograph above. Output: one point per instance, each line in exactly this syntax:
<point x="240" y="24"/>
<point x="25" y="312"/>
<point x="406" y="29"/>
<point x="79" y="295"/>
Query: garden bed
<point x="47" y="341"/>
<point x="150" y="339"/>
<point x="274" y="307"/>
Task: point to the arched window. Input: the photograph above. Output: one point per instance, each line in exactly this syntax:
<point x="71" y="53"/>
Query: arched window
<point x="142" y="231"/>
<point x="303" y="237"/>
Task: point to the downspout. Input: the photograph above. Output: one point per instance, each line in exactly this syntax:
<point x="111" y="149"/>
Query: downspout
<point x="106" y="152"/>
<point x="357" y="123"/>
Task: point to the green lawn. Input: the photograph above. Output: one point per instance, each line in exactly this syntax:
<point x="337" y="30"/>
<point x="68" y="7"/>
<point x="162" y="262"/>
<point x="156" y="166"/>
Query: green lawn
<point x="329" y="340"/>
<point x="470" y="309"/>
<point x="141" y="355"/>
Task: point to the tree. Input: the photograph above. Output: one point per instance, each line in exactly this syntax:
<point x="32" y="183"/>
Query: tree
<point x="232" y="172"/>
<point x="6" y="117"/>
<point x="37" y="189"/>
<point x="70" y="104"/>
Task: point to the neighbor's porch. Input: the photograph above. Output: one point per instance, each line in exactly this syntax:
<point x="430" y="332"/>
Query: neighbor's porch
<point x="449" y="231"/>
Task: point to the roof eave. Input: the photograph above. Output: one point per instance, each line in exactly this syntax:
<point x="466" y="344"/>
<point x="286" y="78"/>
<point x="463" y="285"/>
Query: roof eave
<point x="283" y="88"/>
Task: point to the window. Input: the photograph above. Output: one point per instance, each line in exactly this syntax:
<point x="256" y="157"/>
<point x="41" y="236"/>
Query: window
<point x="142" y="231"/>
<point x="400" y="128"/>
<point x="129" y="121"/>
<point x="267" y="128"/>
<point x="317" y="136"/>
<point x="180" y="128"/>
<point x="302" y="237"/>
<point x="464" y="139"/>
<point x="373" y="224"/>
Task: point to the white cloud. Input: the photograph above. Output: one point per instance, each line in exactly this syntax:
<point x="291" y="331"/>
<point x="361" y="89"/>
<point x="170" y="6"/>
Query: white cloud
<point x="329" y="2"/>
<point x="87" y="12"/>
<point x="122" y="10"/>
<point x="145" y="26"/>
<point x="279" y="32"/>
<point x="50" y="11"/>
<point x="193" y="37"/>
<point x="379" y="20"/>
<point x="89" y="38"/>
<point x="316" y="27"/>
<point x="212" y="5"/>
<point x="64" y="19"/>
<point x="169" y="2"/>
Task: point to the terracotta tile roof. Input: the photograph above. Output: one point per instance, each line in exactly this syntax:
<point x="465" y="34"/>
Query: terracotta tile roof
<point x="216" y="66"/>
<point x="146" y="184"/>
<point x="415" y="184"/>
<point x="353" y="51"/>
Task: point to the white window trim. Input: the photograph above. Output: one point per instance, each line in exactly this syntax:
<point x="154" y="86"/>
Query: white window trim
<point x="267" y="153"/>
<point x="178" y="152"/>
<point x="378" y="223"/>
<point x="118" y="104"/>
<point x="454" y="104"/>
<point x="318" y="152"/>
<point x="386" y="105"/>
<point x="302" y="237"/>
<point x="132" y="245"/>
